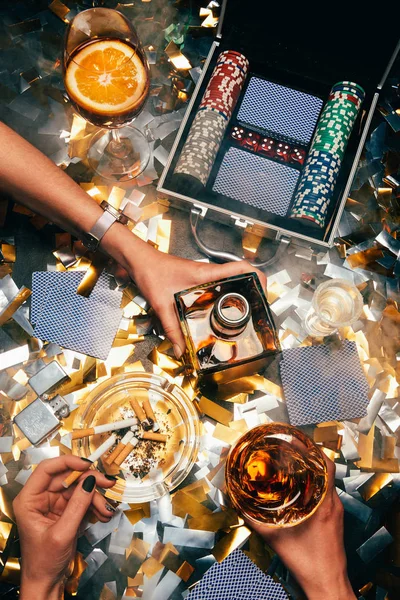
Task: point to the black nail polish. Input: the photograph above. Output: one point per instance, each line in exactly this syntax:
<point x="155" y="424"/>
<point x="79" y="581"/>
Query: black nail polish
<point x="86" y="459"/>
<point x="110" y="477"/>
<point x="89" y="483"/>
<point x="110" y="508"/>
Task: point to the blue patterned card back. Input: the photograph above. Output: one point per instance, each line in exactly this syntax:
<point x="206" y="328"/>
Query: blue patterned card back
<point x="256" y="181"/>
<point x="86" y="325"/>
<point x="280" y="111"/>
<point x="237" y="578"/>
<point x="321" y="384"/>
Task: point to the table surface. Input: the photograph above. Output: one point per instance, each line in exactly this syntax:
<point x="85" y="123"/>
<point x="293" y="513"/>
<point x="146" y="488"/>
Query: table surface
<point x="33" y="103"/>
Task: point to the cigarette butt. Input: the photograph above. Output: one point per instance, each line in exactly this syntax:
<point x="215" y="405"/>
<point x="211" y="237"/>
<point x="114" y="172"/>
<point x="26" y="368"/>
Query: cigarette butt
<point x="138" y="410"/>
<point x="125" y="452"/>
<point x="110" y="459"/>
<point x="72" y="477"/>
<point x="77" y="434"/>
<point x="155" y="437"/>
<point x="149" y="410"/>
<point x="93" y="457"/>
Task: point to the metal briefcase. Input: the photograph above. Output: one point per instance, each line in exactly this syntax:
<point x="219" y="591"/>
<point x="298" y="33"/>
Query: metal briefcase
<point x="304" y="52"/>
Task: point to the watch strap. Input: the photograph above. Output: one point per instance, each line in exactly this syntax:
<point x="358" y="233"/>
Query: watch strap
<point x="118" y="214"/>
<point x="93" y="238"/>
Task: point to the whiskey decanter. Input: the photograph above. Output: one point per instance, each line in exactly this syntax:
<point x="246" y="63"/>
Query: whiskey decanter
<point x="228" y="328"/>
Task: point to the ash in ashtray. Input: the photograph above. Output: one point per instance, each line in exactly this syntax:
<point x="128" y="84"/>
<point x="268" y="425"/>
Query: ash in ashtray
<point x="147" y="454"/>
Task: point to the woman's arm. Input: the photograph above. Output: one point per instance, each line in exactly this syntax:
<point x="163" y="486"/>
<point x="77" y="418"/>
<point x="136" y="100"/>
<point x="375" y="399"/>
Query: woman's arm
<point x="46" y="189"/>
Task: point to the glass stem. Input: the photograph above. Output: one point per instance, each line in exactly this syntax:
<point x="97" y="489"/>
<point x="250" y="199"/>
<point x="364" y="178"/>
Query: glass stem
<point x="116" y="137"/>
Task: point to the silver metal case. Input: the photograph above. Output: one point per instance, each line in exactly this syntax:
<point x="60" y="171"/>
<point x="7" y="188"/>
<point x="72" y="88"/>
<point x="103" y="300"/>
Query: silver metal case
<point x="261" y="227"/>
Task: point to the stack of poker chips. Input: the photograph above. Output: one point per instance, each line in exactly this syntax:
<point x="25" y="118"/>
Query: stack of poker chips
<point x="327" y="149"/>
<point x="209" y="125"/>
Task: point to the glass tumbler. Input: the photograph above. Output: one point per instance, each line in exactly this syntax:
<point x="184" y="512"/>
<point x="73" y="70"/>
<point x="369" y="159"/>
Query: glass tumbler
<point x="336" y="303"/>
<point x="276" y="475"/>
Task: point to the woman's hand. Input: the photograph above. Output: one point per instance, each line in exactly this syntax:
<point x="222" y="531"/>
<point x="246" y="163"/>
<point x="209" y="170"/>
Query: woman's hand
<point x="48" y="518"/>
<point x="159" y="276"/>
<point x="314" y="551"/>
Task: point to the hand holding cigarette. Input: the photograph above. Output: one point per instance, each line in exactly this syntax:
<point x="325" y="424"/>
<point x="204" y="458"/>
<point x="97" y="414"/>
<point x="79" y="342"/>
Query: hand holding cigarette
<point x="48" y="519"/>
<point x="92" y="458"/>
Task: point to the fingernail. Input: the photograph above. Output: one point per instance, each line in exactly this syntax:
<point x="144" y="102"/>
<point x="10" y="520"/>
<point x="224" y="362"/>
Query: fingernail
<point x="110" y="508"/>
<point x="89" y="484"/>
<point x="86" y="459"/>
<point x="110" y="477"/>
<point x="177" y="351"/>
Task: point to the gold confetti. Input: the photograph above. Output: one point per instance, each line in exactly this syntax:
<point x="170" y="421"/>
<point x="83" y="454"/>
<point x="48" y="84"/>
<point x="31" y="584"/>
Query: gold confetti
<point x="150" y="567"/>
<point x="92" y="275"/>
<point x="216" y="412"/>
<point x="163" y="235"/>
<point x="8" y="311"/>
<point x="176" y="57"/>
<point x="214" y="522"/>
<point x="185" y="571"/>
<point x="250" y="244"/>
<point x="225" y="434"/>
<point x="184" y="504"/>
<point x="77" y="570"/>
<point x="59" y="9"/>
<point x="234" y="539"/>
<point x="373" y="485"/>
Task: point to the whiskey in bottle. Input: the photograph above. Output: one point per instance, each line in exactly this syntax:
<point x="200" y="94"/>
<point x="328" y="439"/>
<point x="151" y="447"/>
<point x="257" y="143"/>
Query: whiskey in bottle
<point x="276" y="475"/>
<point x="228" y="328"/>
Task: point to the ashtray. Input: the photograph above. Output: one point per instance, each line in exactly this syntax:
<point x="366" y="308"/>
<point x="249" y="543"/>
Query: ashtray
<point x="152" y="468"/>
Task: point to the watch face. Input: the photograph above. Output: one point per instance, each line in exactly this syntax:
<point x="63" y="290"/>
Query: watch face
<point x="91" y="242"/>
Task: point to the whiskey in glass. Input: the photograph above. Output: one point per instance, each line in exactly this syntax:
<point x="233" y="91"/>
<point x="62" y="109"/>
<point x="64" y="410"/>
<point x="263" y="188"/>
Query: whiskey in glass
<point x="276" y="475"/>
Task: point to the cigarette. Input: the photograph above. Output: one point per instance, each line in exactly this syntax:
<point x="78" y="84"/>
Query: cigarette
<point x="149" y="410"/>
<point x="155" y="437"/>
<point x="77" y="434"/>
<point x="150" y="414"/>
<point x="126" y="451"/>
<point x="127" y="438"/>
<point x="140" y="413"/>
<point x="72" y="477"/>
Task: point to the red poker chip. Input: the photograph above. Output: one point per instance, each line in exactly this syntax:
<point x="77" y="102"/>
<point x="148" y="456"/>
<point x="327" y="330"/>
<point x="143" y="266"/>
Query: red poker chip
<point x="217" y="101"/>
<point x="353" y="99"/>
<point x="221" y="93"/>
<point x="232" y="56"/>
<point x="228" y="66"/>
<point x="214" y="103"/>
<point x="215" y="89"/>
<point x="345" y="95"/>
<point x="226" y="80"/>
<point x="221" y="89"/>
<point x="231" y="64"/>
<point x="236" y="76"/>
<point x="235" y="59"/>
<point x="222" y="101"/>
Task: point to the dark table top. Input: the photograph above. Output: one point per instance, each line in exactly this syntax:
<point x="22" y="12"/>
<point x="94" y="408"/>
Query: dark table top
<point x="33" y="102"/>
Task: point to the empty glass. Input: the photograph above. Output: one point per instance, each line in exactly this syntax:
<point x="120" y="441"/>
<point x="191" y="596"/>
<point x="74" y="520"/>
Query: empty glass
<point x="336" y="303"/>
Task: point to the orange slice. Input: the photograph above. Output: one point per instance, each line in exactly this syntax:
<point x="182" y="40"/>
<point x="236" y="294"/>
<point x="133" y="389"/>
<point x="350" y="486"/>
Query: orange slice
<point x="106" y="77"/>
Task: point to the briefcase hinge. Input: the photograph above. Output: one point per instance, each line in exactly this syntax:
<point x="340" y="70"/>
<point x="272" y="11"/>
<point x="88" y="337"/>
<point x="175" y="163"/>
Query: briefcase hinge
<point x="280" y="237"/>
<point x="199" y="210"/>
<point x="242" y="223"/>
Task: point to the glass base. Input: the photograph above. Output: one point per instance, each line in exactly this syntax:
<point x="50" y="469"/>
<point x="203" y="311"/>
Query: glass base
<point x="315" y="327"/>
<point x="119" y="155"/>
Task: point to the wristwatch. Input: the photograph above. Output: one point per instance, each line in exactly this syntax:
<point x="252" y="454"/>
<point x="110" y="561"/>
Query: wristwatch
<point x="93" y="238"/>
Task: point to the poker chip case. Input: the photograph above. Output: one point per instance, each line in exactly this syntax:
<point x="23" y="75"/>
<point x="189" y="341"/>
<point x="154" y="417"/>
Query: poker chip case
<point x="293" y="64"/>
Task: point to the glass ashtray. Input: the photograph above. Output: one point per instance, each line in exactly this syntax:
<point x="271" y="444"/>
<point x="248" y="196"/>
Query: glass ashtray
<point x="153" y="468"/>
